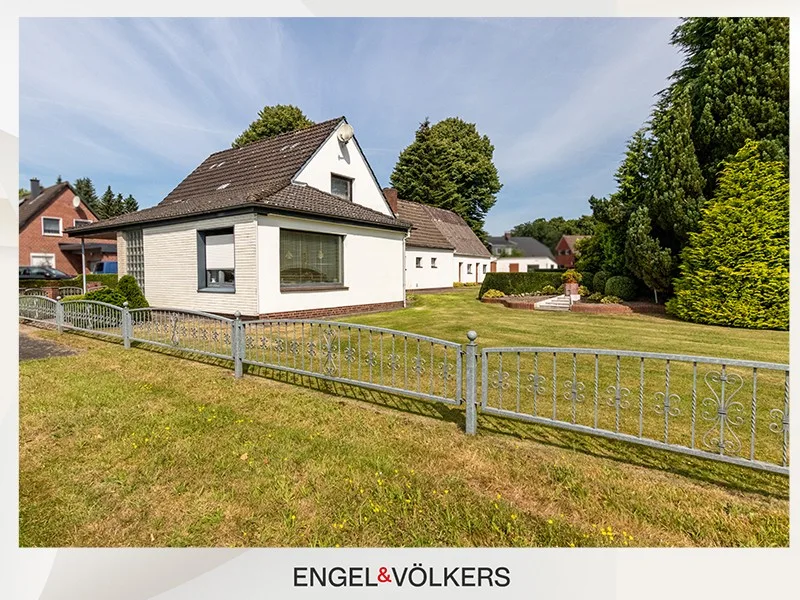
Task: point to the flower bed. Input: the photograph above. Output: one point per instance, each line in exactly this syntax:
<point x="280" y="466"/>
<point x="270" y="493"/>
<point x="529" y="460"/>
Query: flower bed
<point x="625" y="308"/>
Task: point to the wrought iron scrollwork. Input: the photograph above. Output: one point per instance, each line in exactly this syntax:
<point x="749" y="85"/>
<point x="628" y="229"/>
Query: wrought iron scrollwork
<point x="724" y="413"/>
<point x="537" y="383"/>
<point x="500" y="380"/>
<point x="574" y="391"/>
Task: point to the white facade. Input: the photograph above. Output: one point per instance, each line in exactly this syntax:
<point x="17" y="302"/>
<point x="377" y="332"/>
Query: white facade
<point x="428" y="268"/>
<point x="468" y="269"/>
<point x="371" y="258"/>
<point x="524" y="263"/>
<point x="372" y="266"/>
<point x="170" y="266"/>
<point x="345" y="160"/>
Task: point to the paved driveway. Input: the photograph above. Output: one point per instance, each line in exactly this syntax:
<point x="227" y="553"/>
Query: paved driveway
<point x="31" y="347"/>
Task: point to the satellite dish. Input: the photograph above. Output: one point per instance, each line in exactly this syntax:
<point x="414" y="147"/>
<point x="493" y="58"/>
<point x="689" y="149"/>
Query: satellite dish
<point x="345" y="133"/>
<point x="76" y="201"/>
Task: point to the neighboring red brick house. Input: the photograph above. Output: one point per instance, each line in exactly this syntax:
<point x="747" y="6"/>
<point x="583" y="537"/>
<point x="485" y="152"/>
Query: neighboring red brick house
<point x="565" y="250"/>
<point x="44" y="214"/>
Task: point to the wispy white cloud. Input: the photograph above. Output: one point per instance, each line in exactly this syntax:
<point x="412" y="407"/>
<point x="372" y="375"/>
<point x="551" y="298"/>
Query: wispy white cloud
<point x="144" y="100"/>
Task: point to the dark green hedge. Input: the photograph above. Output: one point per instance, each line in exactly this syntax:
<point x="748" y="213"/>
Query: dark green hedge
<point x="520" y="283"/>
<point x="622" y="287"/>
<point x="107" y="279"/>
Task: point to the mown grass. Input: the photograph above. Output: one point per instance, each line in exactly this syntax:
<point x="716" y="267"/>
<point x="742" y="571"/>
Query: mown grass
<point x="137" y="448"/>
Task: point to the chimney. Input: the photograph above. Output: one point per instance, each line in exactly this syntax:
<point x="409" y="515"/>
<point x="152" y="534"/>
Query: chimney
<point x="36" y="189"/>
<point x="507" y="235"/>
<point x="391" y="197"/>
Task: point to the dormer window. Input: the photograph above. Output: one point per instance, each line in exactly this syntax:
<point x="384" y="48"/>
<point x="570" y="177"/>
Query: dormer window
<point x="342" y="187"/>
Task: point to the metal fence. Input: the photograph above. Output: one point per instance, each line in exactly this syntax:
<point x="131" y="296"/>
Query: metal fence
<point x="371" y="357"/>
<point x="728" y="410"/>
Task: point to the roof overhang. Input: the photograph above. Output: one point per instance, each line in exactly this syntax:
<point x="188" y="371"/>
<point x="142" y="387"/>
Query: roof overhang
<point x="97" y="230"/>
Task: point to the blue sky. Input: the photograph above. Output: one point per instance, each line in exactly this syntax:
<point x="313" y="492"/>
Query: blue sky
<point x="139" y="103"/>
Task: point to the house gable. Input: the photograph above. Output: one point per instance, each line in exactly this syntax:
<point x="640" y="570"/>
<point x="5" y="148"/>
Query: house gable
<point x="333" y="157"/>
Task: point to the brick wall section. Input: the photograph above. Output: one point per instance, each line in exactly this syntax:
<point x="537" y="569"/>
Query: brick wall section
<point x="31" y="239"/>
<point x="321" y="313"/>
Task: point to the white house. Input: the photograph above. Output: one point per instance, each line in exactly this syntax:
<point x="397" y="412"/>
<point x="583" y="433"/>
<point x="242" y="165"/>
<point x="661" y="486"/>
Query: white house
<point x="520" y="254"/>
<point x="442" y="249"/>
<point x="292" y="226"/>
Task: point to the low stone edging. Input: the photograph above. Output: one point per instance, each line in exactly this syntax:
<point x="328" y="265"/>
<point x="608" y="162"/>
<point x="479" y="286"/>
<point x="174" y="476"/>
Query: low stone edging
<point x="626" y="308"/>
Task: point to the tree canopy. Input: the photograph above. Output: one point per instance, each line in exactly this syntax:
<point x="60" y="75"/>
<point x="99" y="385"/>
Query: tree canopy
<point x="449" y="165"/>
<point x="549" y="231"/>
<point x="272" y="121"/>
<point x="732" y="86"/>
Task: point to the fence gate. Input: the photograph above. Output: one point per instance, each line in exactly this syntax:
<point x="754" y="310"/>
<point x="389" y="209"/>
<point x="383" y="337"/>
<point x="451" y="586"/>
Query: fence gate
<point x="733" y="411"/>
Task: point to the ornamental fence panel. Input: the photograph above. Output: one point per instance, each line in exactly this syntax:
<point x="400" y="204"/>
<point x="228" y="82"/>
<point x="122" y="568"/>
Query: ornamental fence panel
<point x="734" y="411"/>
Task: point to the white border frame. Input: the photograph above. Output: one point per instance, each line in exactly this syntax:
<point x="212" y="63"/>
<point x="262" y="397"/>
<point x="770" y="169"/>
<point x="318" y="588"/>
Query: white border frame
<point x="83" y="221"/>
<point x="32" y="254"/>
<point x="60" y="227"/>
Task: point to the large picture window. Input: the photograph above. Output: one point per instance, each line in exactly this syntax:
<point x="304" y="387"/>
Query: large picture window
<point x="216" y="260"/>
<point x="310" y="258"/>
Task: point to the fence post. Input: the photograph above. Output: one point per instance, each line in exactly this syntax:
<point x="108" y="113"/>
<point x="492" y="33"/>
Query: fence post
<point x="236" y="344"/>
<point x="472" y="384"/>
<point x="59" y="315"/>
<point x="126" y="325"/>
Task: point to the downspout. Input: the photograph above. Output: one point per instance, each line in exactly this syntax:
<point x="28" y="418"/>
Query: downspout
<point x="83" y="263"/>
<point x="407" y="235"/>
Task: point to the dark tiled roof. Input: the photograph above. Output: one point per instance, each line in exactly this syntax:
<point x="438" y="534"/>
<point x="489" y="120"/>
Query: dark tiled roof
<point x="571" y="239"/>
<point x="458" y="233"/>
<point x="30" y="207"/>
<point x="257" y="176"/>
<point x="266" y="163"/>
<point x="293" y="198"/>
<point x="424" y="234"/>
<point x="527" y="245"/>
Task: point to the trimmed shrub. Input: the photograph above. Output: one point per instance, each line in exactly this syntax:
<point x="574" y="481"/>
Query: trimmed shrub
<point x="621" y="286"/>
<point x="611" y="300"/>
<point x="596" y="297"/>
<point x="548" y="290"/>
<point x="599" y="281"/>
<point x="588" y="280"/>
<point x="107" y="279"/>
<point x="571" y="276"/>
<point x="78" y="297"/>
<point x="129" y="288"/>
<point x="519" y="283"/>
<point x="583" y="290"/>
<point x="561" y="289"/>
<point x="458" y="284"/>
<point x="107" y="295"/>
<point x="493" y="294"/>
<point x="735" y="270"/>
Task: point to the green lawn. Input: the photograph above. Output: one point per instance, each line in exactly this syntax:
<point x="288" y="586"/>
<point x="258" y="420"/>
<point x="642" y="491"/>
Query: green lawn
<point x="138" y="448"/>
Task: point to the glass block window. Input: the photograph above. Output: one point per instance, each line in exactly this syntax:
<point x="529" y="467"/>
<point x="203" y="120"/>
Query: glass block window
<point x="134" y="243"/>
<point x="310" y="258"/>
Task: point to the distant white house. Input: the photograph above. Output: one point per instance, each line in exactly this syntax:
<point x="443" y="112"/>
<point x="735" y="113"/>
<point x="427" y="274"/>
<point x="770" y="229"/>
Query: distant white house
<point x="441" y="249"/>
<point x="292" y="226"/>
<point x="520" y="254"/>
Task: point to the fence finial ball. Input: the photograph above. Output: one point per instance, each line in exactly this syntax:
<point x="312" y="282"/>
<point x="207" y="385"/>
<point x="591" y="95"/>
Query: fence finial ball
<point x="125" y="304"/>
<point x="58" y="298"/>
<point x="237" y="314"/>
<point x="472" y="335"/>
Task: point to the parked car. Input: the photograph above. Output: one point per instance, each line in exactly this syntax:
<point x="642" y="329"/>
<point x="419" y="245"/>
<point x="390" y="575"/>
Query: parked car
<point x="105" y="267"/>
<point x="38" y="272"/>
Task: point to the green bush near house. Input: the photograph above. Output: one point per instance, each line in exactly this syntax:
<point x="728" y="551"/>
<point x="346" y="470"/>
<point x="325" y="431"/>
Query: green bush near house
<point x="588" y="280"/>
<point x="599" y="281"/>
<point x="107" y="295"/>
<point x="71" y="298"/>
<point x="520" y="283"/>
<point x="129" y="288"/>
<point x="595" y="297"/>
<point x="611" y="300"/>
<point x="493" y="294"/>
<point x="622" y="287"/>
<point x="107" y="279"/>
<point x="548" y="290"/>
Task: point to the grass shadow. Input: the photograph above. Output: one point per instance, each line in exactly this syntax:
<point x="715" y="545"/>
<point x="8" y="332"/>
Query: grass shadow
<point x="388" y="400"/>
<point x="730" y="476"/>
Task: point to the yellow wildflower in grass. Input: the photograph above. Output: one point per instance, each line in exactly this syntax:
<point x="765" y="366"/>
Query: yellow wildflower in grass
<point x="549" y="521"/>
<point x="514" y="517"/>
